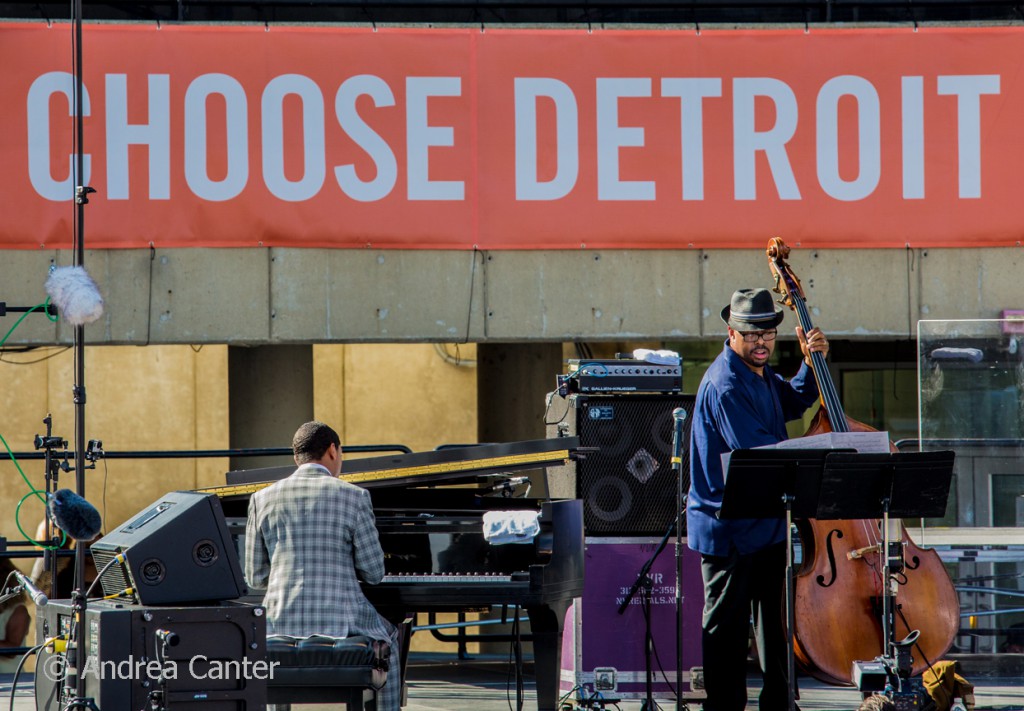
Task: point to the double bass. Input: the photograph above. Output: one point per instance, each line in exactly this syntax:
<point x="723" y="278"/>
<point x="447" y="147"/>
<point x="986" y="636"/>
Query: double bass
<point x="841" y="580"/>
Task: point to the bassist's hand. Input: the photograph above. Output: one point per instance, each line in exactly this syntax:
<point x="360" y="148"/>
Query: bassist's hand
<point x="813" y="341"/>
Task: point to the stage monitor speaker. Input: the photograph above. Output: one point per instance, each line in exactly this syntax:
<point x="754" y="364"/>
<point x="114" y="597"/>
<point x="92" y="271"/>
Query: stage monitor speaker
<point x="628" y="486"/>
<point x="177" y="550"/>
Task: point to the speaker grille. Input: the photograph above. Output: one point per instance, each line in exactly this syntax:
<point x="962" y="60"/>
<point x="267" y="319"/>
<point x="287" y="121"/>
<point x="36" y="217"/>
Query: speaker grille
<point x="115" y="578"/>
<point x="629" y="487"/>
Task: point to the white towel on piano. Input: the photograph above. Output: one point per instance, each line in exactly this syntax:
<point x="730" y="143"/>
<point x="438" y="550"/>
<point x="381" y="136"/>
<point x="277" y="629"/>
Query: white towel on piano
<point x="502" y="527"/>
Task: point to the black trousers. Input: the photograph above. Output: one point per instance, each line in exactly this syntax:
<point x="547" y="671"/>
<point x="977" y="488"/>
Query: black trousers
<point x="737" y="587"/>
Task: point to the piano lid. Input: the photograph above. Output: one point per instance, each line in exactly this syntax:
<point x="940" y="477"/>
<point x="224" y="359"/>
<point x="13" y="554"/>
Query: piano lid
<point x="448" y="466"/>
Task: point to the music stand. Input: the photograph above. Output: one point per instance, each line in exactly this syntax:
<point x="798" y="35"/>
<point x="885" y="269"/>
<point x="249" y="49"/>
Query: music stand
<point x="775" y="483"/>
<point x="900" y="484"/>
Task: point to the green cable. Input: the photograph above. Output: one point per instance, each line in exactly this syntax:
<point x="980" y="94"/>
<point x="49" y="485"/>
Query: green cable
<point x="45" y="305"/>
<point x="32" y="490"/>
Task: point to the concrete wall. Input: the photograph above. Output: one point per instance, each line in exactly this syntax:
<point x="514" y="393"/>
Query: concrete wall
<point x="395" y="388"/>
<point x="260" y="296"/>
<point x="157" y="398"/>
<point x="177" y="397"/>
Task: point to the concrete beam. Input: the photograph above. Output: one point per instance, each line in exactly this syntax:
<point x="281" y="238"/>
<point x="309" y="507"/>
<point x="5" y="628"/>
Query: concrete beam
<point x="376" y="295"/>
<point x="265" y="296"/>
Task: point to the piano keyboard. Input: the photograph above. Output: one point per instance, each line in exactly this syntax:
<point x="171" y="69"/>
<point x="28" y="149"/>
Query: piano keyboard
<point x="460" y="578"/>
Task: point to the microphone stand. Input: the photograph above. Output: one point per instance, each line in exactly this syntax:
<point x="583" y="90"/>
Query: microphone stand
<point x="678" y="417"/>
<point x="643" y="581"/>
<point x="81" y="198"/>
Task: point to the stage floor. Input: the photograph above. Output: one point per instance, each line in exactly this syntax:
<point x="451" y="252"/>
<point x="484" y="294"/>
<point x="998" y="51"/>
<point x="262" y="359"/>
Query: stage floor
<point x="440" y="682"/>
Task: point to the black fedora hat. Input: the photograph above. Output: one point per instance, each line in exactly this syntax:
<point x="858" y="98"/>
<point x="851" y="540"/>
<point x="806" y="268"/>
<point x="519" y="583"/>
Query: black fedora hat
<point x="752" y="310"/>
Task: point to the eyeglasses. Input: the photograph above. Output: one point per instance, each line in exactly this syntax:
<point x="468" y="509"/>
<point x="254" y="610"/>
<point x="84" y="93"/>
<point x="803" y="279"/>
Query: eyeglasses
<point x="752" y="336"/>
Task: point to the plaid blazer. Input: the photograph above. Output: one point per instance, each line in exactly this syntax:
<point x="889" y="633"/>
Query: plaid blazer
<point x="306" y="539"/>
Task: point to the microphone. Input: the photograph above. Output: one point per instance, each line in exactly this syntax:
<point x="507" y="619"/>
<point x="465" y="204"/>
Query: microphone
<point x="511" y="481"/>
<point x="507" y="486"/>
<point x="74" y="515"/>
<point x="678" y="417"/>
<point x="75" y="295"/>
<point x="37" y="595"/>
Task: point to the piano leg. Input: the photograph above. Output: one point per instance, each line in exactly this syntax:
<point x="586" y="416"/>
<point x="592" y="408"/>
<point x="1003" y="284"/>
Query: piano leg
<point x="546" y="623"/>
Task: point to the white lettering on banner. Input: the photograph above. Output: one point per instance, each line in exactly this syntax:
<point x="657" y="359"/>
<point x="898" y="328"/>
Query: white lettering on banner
<point x="566" y="140"/>
<point x="366" y="138"/>
<point x="420" y="136"/>
<point x="968" y="91"/>
<point x="156" y="135"/>
<point x="312" y="138"/>
<point x="691" y="93"/>
<point x="39" y="151"/>
<point x="869" y="138"/>
<point x="196" y="175"/>
<point x="913" y="138"/>
<point x="750" y="95"/>
<point x="611" y="136"/>
<point x="747" y="141"/>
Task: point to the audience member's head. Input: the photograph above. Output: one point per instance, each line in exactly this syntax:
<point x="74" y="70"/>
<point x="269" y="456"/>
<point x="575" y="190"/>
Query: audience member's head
<point x="64" y="565"/>
<point x="14" y="612"/>
<point x="6" y="568"/>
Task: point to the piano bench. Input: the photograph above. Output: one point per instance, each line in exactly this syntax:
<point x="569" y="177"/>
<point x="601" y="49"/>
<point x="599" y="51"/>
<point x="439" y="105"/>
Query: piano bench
<point x="320" y="669"/>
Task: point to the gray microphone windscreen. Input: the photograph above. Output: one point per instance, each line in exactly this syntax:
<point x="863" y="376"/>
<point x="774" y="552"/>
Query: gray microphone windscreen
<point x="75" y="295"/>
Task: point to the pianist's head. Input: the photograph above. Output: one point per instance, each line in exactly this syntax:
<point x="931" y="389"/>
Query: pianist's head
<point x="315" y="442"/>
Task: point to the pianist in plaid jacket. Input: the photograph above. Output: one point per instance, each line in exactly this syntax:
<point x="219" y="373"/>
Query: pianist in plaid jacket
<point x="309" y="539"/>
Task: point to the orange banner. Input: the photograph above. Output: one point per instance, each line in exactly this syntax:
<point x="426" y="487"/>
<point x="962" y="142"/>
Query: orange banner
<point x="514" y="139"/>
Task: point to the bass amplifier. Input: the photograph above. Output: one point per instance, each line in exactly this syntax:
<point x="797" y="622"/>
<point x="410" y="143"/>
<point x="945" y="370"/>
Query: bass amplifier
<point x="620" y="376"/>
<point x="628" y="485"/>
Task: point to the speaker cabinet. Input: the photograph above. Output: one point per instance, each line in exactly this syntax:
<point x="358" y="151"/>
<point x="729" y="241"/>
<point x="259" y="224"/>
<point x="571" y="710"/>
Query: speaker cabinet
<point x="628" y="486"/>
<point x="214" y="658"/>
<point x="177" y="550"/>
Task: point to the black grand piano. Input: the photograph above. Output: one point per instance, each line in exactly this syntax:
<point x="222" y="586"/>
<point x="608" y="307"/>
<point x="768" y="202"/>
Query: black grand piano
<point x="429" y="508"/>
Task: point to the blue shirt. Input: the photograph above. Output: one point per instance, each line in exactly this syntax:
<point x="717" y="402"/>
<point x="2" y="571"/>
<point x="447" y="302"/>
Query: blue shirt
<point x="737" y="409"/>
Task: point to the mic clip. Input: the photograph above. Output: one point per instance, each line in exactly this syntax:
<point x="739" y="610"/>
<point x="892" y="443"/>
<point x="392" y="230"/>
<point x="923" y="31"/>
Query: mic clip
<point x="42" y="442"/>
<point x="82" y="194"/>
<point x="507" y="487"/>
<point x="580" y="453"/>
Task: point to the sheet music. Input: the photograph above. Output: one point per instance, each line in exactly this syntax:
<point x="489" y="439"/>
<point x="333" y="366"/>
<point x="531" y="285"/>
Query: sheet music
<point x="860" y="441"/>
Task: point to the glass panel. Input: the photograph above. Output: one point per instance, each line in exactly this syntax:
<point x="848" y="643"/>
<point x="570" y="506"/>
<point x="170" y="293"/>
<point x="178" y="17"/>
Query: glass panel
<point x="1006" y="499"/>
<point x="885" y="399"/>
<point x="971" y="400"/>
